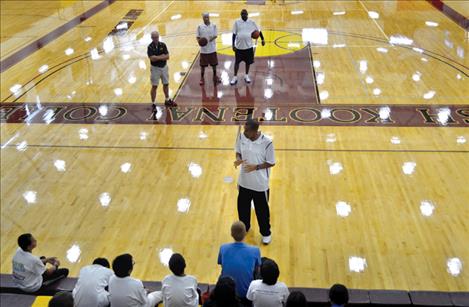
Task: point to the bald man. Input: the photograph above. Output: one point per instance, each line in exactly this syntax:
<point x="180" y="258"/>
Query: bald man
<point x="208" y="53"/>
<point x="158" y="54"/>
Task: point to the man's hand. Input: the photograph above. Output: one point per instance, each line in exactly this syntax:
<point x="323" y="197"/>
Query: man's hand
<point x="249" y="168"/>
<point x="238" y="163"/>
<point x="263" y="42"/>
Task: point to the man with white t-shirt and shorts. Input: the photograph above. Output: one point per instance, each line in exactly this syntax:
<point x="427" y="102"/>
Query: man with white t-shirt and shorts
<point x="208" y="53"/>
<point x="242" y="44"/>
<point x="255" y="152"/>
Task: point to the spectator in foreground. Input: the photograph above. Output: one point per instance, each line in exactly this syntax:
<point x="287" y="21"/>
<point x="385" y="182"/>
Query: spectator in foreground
<point x="296" y="299"/>
<point x="338" y="295"/>
<point x="62" y="299"/>
<point x="268" y="291"/>
<point x="91" y="287"/>
<point x="224" y="294"/>
<point x="125" y="291"/>
<point x="239" y="261"/>
<point x="29" y="271"/>
<point x="179" y="289"/>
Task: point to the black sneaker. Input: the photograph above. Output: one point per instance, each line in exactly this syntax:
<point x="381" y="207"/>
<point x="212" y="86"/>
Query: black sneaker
<point x="170" y="103"/>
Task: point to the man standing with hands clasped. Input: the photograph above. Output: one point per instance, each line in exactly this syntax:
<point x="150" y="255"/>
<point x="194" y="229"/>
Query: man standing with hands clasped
<point x="255" y="152"/>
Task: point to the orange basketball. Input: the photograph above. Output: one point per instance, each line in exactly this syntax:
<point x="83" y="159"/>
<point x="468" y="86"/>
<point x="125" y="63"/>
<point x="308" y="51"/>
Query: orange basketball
<point x="255" y="34"/>
<point x="203" y="42"/>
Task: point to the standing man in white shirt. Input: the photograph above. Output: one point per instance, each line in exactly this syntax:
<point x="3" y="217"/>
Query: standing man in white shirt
<point x="179" y="289"/>
<point x="93" y="280"/>
<point x="125" y="291"/>
<point x="208" y="53"/>
<point x="255" y="152"/>
<point x="242" y="44"/>
<point x="29" y="271"/>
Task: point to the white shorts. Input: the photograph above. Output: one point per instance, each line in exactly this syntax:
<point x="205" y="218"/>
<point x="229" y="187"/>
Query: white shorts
<point x="158" y="73"/>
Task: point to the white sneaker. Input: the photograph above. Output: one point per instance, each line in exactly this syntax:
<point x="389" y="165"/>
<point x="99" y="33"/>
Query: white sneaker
<point x="247" y="79"/>
<point x="266" y="240"/>
<point x="234" y="80"/>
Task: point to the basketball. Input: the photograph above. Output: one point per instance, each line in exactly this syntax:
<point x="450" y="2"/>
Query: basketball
<point x="203" y="42"/>
<point x="255" y="34"/>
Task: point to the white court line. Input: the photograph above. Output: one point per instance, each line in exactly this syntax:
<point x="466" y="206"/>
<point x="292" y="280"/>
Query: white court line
<point x="376" y="23"/>
<point x="153" y="19"/>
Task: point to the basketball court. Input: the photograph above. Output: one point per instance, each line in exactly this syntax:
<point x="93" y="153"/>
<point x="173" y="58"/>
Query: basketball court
<point x="367" y="103"/>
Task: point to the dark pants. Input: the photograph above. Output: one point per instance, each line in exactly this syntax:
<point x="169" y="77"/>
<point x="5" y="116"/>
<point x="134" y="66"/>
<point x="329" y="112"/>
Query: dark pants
<point x="58" y="274"/>
<point x="261" y="204"/>
<point x="245" y="302"/>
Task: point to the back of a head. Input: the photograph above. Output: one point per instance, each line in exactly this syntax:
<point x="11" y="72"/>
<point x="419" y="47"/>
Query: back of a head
<point x="177" y="264"/>
<point x="338" y="294"/>
<point x="224" y="293"/>
<point x="24" y="241"/>
<point x="122" y="265"/>
<point x="62" y="299"/>
<point x="269" y="272"/>
<point x="296" y="299"/>
<point x="238" y="231"/>
<point x="102" y="261"/>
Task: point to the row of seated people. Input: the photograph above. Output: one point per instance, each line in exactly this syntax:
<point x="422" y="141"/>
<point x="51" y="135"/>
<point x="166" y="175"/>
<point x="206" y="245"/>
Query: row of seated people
<point x="246" y="280"/>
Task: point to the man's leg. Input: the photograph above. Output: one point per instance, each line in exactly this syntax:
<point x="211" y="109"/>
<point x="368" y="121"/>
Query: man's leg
<point x="247" y="68"/>
<point x="202" y="75"/>
<point x="166" y="91"/>
<point x="58" y="274"/>
<point x="234" y="80"/>
<point x="244" y="206"/>
<point x="153" y="93"/>
<point x="261" y="204"/>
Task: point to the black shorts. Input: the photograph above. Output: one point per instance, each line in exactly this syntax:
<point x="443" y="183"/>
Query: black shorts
<point x="246" y="55"/>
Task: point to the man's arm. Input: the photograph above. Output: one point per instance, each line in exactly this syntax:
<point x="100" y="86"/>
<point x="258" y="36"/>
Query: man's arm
<point x="233" y="42"/>
<point x="262" y="38"/>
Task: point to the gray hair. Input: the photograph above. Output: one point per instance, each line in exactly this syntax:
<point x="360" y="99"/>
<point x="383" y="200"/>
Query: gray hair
<point x="155" y="33"/>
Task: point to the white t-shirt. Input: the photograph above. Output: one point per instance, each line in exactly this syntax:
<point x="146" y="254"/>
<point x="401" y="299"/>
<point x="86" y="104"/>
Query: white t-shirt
<point x="27" y="271"/>
<point x="206" y="31"/>
<point x="257" y="152"/>
<point x="180" y="291"/>
<point x="263" y="295"/>
<point x="128" y="292"/>
<point x="243" y="30"/>
<point x="89" y="290"/>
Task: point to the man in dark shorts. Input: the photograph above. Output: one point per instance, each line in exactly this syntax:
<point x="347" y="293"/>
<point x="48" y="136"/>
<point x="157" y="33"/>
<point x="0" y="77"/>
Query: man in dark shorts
<point x="158" y="54"/>
<point x="242" y="44"/>
<point x="208" y="53"/>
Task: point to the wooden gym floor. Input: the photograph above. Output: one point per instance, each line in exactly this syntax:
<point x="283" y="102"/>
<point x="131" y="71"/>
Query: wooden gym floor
<point x="366" y="101"/>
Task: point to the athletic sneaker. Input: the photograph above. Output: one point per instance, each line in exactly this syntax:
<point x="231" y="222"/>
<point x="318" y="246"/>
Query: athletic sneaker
<point x="234" y="80"/>
<point x="266" y="239"/>
<point x="170" y="103"/>
<point x="247" y="79"/>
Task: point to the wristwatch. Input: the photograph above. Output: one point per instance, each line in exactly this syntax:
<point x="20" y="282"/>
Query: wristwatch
<point x="258" y="167"/>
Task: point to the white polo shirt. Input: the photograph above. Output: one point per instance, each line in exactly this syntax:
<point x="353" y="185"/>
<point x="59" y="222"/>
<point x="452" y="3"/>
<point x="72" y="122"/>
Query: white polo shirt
<point x="27" y="271"/>
<point x="180" y="291"/>
<point x="257" y="152"/>
<point x="89" y="290"/>
<point x="263" y="295"/>
<point x="243" y="30"/>
<point x="206" y="31"/>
